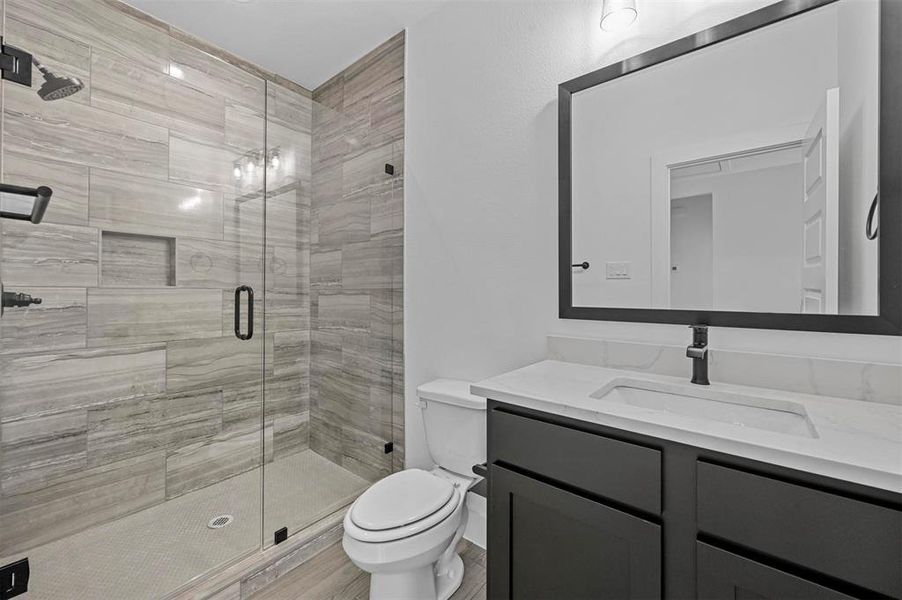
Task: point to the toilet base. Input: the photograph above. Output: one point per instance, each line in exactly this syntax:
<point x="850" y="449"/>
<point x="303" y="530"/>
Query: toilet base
<point x="418" y="584"/>
<point x="448" y="583"/>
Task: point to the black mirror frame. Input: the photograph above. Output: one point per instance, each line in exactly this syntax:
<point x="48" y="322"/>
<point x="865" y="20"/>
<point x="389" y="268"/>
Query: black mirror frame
<point x="889" y="321"/>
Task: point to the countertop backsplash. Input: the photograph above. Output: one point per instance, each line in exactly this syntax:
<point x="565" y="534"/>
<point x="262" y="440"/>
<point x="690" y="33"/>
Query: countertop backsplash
<point x="871" y="382"/>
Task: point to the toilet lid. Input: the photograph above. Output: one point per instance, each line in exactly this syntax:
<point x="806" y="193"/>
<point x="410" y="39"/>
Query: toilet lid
<point x="400" y="499"/>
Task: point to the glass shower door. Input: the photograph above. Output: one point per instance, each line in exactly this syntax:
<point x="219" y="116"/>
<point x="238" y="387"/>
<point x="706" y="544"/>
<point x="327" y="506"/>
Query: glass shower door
<point x="131" y="405"/>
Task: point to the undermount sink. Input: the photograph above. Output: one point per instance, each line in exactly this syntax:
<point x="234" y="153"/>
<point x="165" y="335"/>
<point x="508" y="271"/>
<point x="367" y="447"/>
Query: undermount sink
<point x="742" y="410"/>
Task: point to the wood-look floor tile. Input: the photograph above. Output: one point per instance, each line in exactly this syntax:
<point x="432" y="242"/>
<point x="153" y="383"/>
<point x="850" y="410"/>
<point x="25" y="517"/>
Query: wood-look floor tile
<point x="330" y="575"/>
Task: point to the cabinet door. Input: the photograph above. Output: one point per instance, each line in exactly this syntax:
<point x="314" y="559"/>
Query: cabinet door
<point x="722" y="574"/>
<point x="548" y="543"/>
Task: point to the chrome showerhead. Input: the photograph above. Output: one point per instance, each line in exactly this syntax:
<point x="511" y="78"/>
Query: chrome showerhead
<point x="56" y="87"/>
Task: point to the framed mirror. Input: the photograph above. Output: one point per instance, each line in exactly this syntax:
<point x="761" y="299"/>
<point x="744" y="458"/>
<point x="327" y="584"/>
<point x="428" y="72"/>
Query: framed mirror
<point x="731" y="177"/>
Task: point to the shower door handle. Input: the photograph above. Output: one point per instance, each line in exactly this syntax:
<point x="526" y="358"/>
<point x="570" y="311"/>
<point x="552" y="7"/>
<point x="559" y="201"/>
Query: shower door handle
<point x="250" y="312"/>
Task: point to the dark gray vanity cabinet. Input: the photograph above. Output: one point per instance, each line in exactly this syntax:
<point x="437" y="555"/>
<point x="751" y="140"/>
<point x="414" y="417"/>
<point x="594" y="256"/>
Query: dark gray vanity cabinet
<point x="578" y="510"/>
<point x="562" y="545"/>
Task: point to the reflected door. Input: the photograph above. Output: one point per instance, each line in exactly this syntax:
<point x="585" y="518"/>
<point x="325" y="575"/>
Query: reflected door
<point x="820" y="210"/>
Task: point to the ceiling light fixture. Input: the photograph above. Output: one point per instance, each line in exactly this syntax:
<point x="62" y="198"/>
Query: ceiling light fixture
<point x="617" y="15"/>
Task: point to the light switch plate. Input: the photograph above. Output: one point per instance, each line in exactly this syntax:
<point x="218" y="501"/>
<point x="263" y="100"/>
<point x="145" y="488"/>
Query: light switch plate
<point x="617" y="270"/>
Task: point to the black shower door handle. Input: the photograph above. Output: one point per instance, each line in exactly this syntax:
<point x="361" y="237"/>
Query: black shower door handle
<point x="250" y="312"/>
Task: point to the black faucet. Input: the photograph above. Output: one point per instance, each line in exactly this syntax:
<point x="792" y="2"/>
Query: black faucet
<point x="698" y="352"/>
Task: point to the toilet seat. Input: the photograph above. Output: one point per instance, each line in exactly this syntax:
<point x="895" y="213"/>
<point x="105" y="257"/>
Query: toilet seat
<point x="402" y="505"/>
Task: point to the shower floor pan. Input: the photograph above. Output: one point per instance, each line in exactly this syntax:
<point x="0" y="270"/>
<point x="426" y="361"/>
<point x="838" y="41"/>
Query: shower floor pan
<point x="151" y="553"/>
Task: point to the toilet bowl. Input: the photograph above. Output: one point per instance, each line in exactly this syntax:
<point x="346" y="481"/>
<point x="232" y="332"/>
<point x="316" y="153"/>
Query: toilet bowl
<point x="404" y="529"/>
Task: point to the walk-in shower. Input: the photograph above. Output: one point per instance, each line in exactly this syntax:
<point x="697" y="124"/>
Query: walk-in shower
<point x="146" y="442"/>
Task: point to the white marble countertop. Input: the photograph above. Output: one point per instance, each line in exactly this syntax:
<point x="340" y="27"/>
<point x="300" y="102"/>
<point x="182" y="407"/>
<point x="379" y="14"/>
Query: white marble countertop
<point x="855" y="441"/>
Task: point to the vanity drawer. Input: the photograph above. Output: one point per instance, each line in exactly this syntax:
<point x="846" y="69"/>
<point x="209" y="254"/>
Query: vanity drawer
<point x="851" y="540"/>
<point x="620" y="471"/>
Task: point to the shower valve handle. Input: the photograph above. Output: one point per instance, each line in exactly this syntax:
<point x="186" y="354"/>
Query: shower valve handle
<point x="18" y="300"/>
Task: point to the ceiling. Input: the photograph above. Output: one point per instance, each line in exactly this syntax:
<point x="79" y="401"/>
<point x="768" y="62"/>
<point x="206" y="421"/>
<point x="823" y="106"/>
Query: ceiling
<point x="307" y="41"/>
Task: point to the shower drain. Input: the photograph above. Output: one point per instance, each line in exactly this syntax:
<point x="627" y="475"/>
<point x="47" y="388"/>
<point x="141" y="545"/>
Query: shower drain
<point x="220" y="521"/>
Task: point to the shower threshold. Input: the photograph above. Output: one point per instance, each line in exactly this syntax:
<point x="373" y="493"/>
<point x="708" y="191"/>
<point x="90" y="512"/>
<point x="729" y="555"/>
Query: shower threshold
<point x="157" y="551"/>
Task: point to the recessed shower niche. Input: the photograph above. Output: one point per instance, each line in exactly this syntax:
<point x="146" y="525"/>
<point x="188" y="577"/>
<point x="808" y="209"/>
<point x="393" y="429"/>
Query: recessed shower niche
<point x="133" y="260"/>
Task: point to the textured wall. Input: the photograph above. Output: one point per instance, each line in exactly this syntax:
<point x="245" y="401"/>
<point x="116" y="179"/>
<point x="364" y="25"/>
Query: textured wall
<point x="127" y="387"/>
<point x="356" y="264"/>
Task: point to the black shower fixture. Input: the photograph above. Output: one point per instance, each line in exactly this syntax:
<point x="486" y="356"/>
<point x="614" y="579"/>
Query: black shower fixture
<point x="17" y="64"/>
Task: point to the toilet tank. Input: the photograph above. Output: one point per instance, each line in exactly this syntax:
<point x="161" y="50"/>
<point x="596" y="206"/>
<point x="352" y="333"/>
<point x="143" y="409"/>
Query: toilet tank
<point x="455" y="424"/>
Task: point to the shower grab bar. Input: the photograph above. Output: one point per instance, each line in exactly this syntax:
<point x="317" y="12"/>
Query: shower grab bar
<point x="42" y="200"/>
<point x="250" y="312"/>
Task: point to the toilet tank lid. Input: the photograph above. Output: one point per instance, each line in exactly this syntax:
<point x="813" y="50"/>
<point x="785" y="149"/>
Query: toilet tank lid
<point x="451" y="391"/>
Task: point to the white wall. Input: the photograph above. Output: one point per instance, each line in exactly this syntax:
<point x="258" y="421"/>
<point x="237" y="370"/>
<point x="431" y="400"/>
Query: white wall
<point x="757" y="241"/>
<point x="481" y="189"/>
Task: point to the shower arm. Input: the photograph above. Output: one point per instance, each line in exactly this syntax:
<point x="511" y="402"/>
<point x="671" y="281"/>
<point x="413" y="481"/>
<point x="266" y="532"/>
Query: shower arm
<point x="41" y="194"/>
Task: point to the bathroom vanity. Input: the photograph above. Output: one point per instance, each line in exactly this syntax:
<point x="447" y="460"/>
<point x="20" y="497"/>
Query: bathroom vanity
<point x="615" y="484"/>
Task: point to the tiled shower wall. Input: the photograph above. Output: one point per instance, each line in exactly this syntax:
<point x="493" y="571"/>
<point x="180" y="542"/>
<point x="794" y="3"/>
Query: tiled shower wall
<point x="357" y="264"/>
<point x="127" y="387"/>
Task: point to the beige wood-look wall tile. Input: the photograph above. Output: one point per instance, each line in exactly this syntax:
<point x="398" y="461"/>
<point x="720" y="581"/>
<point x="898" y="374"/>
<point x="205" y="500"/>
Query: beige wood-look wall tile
<point x="49" y="255"/>
<point x="216" y="76"/>
<point x="287" y="311"/>
<point x="63" y="56"/>
<point x="210" y="166"/>
<point x="290" y="108"/>
<point x="80" y="500"/>
<point x="126" y="203"/>
<point x="344" y="311"/>
<point x="134" y="426"/>
<point x="97" y="25"/>
<point x="205" y="463"/>
<point x="84" y="135"/>
<point x="245" y="127"/>
<point x="126" y="88"/>
<point x="58" y="323"/>
<point x="363" y="454"/>
<point x="134" y="260"/>
<point x="291" y="434"/>
<point x="69" y="182"/>
<point x="34" y="383"/>
<point x="380" y="70"/>
<point x="344" y="221"/>
<point x="243" y="219"/>
<point x="35" y="449"/>
<point x="287" y="220"/>
<point x="121" y="316"/>
<point x="218" y="362"/>
<point x="242" y="406"/>
<point x="217" y="264"/>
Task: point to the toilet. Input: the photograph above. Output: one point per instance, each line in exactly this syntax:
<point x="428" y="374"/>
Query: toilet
<point x="405" y="528"/>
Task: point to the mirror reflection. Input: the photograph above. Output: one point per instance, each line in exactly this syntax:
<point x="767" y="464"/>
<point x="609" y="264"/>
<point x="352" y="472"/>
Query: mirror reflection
<point x="736" y="178"/>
